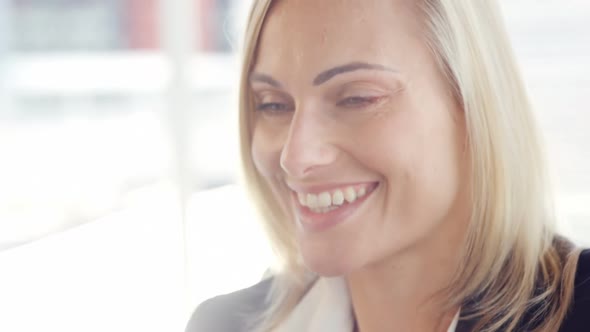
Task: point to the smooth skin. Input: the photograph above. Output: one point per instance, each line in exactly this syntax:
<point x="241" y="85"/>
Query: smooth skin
<point x="347" y="92"/>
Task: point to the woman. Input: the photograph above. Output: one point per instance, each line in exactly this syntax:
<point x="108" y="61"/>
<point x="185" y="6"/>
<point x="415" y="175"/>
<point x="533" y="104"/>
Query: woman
<point x="392" y="151"/>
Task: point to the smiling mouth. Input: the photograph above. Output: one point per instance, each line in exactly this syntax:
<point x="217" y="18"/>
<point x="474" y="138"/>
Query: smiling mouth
<point x="327" y="201"/>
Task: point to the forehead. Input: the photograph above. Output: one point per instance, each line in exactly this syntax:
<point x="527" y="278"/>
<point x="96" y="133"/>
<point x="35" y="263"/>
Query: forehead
<point x="313" y="34"/>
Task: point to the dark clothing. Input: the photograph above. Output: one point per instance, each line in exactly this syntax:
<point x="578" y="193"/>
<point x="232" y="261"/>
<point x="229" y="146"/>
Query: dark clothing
<point x="578" y="319"/>
<point x="231" y="312"/>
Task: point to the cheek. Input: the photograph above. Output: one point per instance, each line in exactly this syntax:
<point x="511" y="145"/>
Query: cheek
<point x="389" y="143"/>
<point x="266" y="152"/>
<point x="435" y="171"/>
<point x="416" y="153"/>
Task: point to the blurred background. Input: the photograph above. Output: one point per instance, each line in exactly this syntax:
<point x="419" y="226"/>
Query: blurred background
<point x="120" y="208"/>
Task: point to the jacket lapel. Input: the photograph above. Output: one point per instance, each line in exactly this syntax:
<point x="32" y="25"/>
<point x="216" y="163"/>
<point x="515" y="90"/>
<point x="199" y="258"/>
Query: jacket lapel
<point x="325" y="307"/>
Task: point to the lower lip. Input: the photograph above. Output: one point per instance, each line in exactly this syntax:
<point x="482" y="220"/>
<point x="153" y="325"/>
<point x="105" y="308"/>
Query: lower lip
<point x="317" y="222"/>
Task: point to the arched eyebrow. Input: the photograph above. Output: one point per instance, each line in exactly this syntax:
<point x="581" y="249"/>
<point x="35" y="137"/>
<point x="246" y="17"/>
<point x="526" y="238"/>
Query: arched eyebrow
<point x="327" y="75"/>
<point x="257" y="77"/>
<point x="324" y="76"/>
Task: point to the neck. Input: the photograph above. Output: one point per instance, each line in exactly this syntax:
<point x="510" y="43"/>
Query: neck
<point x="406" y="292"/>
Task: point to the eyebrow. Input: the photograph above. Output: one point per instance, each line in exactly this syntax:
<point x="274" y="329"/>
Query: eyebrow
<point x="265" y="79"/>
<point x="327" y="75"/>
<point x="324" y="76"/>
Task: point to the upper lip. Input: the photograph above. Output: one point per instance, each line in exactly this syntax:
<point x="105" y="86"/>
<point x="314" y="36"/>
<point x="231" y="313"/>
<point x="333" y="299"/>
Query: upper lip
<point x="319" y="188"/>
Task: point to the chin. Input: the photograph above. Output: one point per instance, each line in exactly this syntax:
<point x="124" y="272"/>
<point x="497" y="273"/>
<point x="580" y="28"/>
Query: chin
<point x="328" y="271"/>
<point x="327" y="266"/>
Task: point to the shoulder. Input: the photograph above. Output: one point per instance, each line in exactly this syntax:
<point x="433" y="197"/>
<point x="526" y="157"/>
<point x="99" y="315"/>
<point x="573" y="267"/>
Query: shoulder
<point x="230" y="312"/>
<point x="582" y="285"/>
<point x="579" y="314"/>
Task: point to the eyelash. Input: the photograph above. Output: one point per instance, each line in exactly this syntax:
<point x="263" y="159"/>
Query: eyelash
<point x="349" y="102"/>
<point x="272" y="107"/>
<point x="358" y="102"/>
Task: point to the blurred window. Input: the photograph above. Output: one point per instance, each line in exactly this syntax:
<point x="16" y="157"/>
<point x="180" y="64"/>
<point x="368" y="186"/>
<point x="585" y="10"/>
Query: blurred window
<point x="118" y="179"/>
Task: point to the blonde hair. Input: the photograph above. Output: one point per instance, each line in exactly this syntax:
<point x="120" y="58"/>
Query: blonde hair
<point x="513" y="262"/>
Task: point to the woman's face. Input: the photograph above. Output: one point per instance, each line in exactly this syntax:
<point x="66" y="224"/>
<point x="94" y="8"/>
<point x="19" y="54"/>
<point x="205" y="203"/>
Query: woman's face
<point x="356" y="131"/>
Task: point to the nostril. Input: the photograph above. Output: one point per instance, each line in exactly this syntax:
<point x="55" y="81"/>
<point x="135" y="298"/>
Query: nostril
<point x="299" y="161"/>
<point x="285" y="163"/>
<point x="296" y="168"/>
<point x="295" y="163"/>
<point x="282" y="161"/>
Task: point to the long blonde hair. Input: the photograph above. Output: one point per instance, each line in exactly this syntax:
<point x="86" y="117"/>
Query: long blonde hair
<point x="513" y="262"/>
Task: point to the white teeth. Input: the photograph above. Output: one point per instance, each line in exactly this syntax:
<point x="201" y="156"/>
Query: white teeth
<point x="301" y="198"/>
<point x="338" y="197"/>
<point x="324" y="209"/>
<point x="361" y="192"/>
<point x="312" y="201"/>
<point x="350" y="195"/>
<point x="324" y="200"/>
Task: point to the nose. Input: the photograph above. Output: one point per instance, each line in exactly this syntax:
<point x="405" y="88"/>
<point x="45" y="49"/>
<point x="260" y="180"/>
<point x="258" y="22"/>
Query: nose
<point x="308" y="145"/>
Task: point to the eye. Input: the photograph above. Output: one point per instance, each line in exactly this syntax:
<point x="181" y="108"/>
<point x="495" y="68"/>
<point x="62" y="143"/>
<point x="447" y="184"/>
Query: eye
<point x="272" y="107"/>
<point x="358" y="101"/>
<point x="271" y="103"/>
